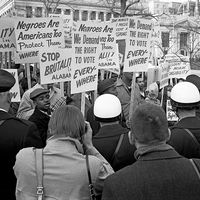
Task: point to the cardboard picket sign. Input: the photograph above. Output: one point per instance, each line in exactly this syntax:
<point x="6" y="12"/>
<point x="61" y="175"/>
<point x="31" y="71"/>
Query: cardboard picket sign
<point x="108" y="52"/>
<point x="138" y="45"/>
<point x="26" y="57"/>
<point x="38" y="33"/>
<point x="86" y="41"/>
<point x="121" y="25"/>
<point x="55" y="65"/>
<point x="67" y="27"/>
<point x="171" y="116"/>
<point x="164" y="74"/>
<point x="7" y="35"/>
<point x="179" y="66"/>
<point x="15" y="91"/>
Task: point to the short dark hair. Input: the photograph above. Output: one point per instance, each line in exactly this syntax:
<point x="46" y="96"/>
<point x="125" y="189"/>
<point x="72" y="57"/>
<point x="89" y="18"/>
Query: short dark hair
<point x="149" y="124"/>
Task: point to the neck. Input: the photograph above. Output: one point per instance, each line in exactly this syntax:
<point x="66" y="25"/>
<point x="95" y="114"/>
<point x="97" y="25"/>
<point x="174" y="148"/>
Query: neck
<point x="107" y="124"/>
<point x="186" y="113"/>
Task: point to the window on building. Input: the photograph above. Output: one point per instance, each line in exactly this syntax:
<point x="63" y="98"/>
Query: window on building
<point x="101" y="16"/>
<point x="57" y="11"/>
<point x="76" y="15"/>
<point x="67" y="12"/>
<point x="108" y="16"/>
<point x="85" y="15"/>
<point x="93" y="15"/>
<point x="29" y="12"/>
<point x="165" y="39"/>
<point x="183" y="40"/>
<point x="38" y="12"/>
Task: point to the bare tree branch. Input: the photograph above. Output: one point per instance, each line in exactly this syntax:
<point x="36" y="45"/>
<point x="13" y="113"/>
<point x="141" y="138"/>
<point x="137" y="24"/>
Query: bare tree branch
<point x="128" y="6"/>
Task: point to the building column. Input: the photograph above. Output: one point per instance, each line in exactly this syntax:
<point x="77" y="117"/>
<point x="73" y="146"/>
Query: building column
<point x="62" y="11"/>
<point x="33" y="11"/>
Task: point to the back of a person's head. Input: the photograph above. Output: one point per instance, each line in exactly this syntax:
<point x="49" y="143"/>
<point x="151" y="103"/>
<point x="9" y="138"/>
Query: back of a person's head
<point x="66" y="121"/>
<point x="149" y="124"/>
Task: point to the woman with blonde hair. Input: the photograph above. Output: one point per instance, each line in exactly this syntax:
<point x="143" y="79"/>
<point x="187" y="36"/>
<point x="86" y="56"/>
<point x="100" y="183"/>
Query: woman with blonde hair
<point x="65" y="173"/>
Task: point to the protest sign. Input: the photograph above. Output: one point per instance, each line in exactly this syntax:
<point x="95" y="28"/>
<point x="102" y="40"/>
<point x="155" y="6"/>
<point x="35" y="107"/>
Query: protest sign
<point x="179" y="66"/>
<point x="67" y="27"/>
<point x="85" y="44"/>
<point x="15" y="92"/>
<point x="7" y="35"/>
<point x="33" y="34"/>
<point x="108" y="53"/>
<point x="164" y="74"/>
<point x="121" y="25"/>
<point x="171" y="116"/>
<point x="26" y="57"/>
<point x="55" y="65"/>
<point x="138" y="45"/>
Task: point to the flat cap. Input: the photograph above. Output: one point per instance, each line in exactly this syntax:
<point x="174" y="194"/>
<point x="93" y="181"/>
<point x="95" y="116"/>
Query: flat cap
<point x="35" y="93"/>
<point x="105" y="84"/>
<point x="192" y="78"/>
<point x="7" y="81"/>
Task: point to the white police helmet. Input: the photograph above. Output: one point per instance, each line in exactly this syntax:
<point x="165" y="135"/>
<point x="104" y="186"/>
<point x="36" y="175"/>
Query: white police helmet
<point x="185" y="94"/>
<point x="107" y="108"/>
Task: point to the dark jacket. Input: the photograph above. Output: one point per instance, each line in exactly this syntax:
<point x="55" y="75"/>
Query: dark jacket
<point x="183" y="143"/>
<point x="154" y="176"/>
<point x="106" y="141"/>
<point x="15" y="134"/>
<point x="41" y="120"/>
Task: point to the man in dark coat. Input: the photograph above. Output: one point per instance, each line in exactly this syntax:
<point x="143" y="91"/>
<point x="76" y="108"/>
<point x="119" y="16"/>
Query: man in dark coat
<point x="112" y="139"/>
<point x="159" y="172"/>
<point x="41" y="114"/>
<point x="185" y="135"/>
<point x="15" y="134"/>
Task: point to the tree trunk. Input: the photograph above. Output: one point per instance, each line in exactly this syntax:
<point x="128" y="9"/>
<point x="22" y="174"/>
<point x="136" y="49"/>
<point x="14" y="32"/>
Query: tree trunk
<point x="123" y="6"/>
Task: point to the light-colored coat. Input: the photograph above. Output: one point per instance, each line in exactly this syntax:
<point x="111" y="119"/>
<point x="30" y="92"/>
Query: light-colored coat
<point x="65" y="173"/>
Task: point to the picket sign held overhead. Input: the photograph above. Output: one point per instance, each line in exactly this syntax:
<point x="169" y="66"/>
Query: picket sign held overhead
<point x="55" y="65"/>
<point x="38" y="33"/>
<point x="26" y="57"/>
<point x="108" y="52"/>
<point x="85" y="45"/>
<point x="179" y="65"/>
<point x="15" y="91"/>
<point x="163" y="74"/>
<point x="138" y="45"/>
<point x="7" y="35"/>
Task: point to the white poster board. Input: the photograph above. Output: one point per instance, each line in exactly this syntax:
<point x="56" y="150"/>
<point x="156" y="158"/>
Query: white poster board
<point x="164" y="74"/>
<point x="171" y="116"/>
<point x="15" y="91"/>
<point x="55" y="65"/>
<point x="179" y="66"/>
<point x="138" y="45"/>
<point x="7" y="35"/>
<point x="85" y="44"/>
<point x="38" y="33"/>
<point x="108" y="52"/>
<point x="26" y="57"/>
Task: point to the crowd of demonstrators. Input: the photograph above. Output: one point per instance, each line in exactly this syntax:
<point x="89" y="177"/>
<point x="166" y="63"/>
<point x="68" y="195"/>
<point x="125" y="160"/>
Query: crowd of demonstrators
<point x="65" y="172"/>
<point x="159" y="172"/>
<point x="112" y="139"/>
<point x="55" y="123"/>
<point x="15" y="135"/>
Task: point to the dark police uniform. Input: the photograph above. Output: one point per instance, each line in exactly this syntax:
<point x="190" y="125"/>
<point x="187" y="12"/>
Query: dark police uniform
<point x="15" y="134"/>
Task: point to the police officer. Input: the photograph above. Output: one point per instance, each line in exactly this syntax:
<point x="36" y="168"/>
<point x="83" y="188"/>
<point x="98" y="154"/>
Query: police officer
<point x="112" y="139"/>
<point x="185" y="135"/>
<point x="15" y="135"/>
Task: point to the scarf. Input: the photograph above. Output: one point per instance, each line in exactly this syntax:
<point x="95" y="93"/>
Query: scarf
<point x="162" y="146"/>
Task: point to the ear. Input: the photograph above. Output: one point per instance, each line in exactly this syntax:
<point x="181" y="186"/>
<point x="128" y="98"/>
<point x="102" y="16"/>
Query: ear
<point x="131" y="138"/>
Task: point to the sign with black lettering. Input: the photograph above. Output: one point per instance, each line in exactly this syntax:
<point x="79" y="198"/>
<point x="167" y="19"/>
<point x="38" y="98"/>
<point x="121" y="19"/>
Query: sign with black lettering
<point x="85" y="44"/>
<point x="38" y="33"/>
<point x="7" y="35"/>
<point x="14" y="91"/>
<point x="26" y="57"/>
<point x="55" y="65"/>
<point x="138" y="45"/>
